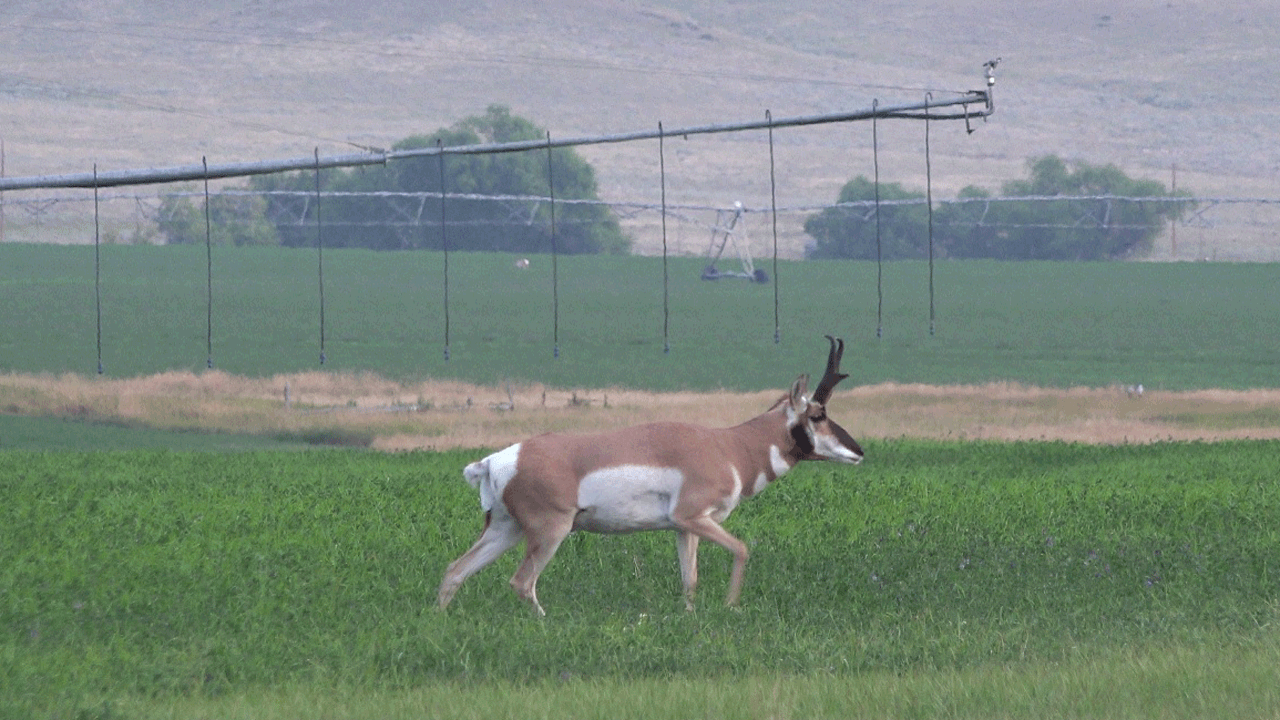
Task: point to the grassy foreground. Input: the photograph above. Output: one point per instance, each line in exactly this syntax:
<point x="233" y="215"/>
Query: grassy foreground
<point x="1202" y="681"/>
<point x="940" y="579"/>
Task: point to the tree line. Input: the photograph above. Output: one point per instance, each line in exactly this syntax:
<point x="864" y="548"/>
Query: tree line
<point x="389" y="207"/>
<point x="1103" y="214"/>
<point x="369" y="207"/>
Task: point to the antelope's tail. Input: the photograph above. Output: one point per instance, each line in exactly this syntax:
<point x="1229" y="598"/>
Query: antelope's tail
<point x="476" y="472"/>
<point x="477" y="475"/>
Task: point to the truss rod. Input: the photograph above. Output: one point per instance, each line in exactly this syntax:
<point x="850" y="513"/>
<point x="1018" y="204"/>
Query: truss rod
<point x="148" y="176"/>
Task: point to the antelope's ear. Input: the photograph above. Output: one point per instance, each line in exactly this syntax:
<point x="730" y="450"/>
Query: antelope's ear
<point x="797" y="400"/>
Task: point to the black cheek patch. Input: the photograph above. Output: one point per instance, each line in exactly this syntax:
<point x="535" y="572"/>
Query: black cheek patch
<point x="804" y="446"/>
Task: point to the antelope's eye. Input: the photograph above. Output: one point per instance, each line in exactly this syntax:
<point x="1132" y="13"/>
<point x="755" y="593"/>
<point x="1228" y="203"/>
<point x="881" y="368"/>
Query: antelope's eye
<point x="820" y="417"/>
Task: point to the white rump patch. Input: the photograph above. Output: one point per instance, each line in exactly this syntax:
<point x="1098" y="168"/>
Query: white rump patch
<point x="628" y="498"/>
<point x="491" y="475"/>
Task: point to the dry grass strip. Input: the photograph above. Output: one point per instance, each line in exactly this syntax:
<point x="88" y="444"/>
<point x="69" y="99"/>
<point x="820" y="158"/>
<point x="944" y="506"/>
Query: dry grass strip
<point x="447" y="414"/>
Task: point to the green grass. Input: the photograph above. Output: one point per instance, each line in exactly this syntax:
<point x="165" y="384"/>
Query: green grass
<point x="1172" y="326"/>
<point x="1259" y="417"/>
<point x="50" y="433"/>
<point x="1207" y="681"/>
<point x="954" y="579"/>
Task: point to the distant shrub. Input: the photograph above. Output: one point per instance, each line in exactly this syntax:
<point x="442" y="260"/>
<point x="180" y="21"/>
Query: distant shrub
<point x="1091" y="222"/>
<point x="848" y="229"/>
<point x="390" y="222"/>
<point x="233" y="220"/>
<point x="1103" y="214"/>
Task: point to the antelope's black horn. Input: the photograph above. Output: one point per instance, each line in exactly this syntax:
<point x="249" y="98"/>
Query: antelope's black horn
<point x="832" y="376"/>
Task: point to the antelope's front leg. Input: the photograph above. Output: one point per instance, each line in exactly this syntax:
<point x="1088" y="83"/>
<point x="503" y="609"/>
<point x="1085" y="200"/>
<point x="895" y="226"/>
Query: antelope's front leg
<point x="687" y="549"/>
<point x="704" y="526"/>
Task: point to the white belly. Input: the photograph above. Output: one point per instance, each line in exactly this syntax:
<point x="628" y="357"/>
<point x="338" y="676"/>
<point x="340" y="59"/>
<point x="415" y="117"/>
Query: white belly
<point x="628" y="498"/>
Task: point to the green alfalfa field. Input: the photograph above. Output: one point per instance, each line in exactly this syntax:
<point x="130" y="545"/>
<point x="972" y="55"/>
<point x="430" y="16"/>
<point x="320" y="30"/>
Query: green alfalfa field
<point x="939" y="579"/>
<point x="257" y="312"/>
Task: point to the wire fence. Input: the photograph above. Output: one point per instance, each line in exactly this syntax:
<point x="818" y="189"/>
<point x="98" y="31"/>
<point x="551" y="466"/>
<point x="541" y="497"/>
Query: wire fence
<point x="131" y="206"/>
<point x="1222" y="229"/>
<point x="965" y="106"/>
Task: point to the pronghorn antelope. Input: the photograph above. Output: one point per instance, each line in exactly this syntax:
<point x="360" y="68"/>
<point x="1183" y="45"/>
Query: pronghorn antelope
<point x="660" y="476"/>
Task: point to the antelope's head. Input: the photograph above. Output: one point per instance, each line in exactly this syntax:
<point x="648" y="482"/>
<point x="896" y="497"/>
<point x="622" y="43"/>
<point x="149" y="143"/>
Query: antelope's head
<point x="816" y="435"/>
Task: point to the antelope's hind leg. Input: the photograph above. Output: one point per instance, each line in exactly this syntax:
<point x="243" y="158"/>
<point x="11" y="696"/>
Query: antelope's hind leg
<point x="500" y="533"/>
<point x="542" y="544"/>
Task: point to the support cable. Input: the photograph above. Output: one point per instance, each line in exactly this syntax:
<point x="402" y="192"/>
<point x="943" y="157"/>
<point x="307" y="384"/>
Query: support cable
<point x="773" y="205"/>
<point x="928" y="185"/>
<point x="190" y="173"/>
<point x="555" y="268"/>
<point x="662" y="182"/>
<point x="97" y="265"/>
<point x="444" y="243"/>
<point x="320" y="256"/>
<point x="208" y="266"/>
<point x="875" y="162"/>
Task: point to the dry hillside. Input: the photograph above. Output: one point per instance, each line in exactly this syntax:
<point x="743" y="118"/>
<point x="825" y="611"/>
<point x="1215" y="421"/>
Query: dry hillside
<point x="1144" y="84"/>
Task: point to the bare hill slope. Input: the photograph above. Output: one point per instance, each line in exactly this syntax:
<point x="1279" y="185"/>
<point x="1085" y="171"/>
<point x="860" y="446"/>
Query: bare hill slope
<point x="1142" y="84"/>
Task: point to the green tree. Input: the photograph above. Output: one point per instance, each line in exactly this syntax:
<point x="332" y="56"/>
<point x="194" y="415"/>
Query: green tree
<point x="1103" y="214"/>
<point x="233" y="220"/>
<point x="399" y="219"/>
<point x="848" y="229"/>
<point x="962" y="224"/>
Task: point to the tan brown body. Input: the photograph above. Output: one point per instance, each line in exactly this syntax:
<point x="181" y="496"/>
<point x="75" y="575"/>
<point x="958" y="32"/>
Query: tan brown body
<point x="659" y="476"/>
